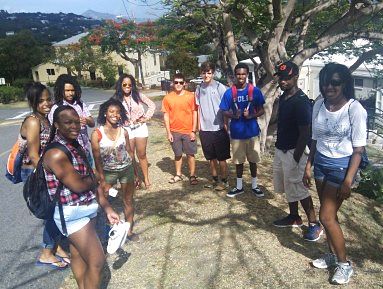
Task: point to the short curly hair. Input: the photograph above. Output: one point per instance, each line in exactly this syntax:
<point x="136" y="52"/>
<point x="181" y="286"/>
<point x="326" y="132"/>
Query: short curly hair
<point x="101" y="119"/>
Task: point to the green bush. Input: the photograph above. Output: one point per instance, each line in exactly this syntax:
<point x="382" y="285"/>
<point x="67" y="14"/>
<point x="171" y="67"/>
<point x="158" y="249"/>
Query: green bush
<point x="21" y="82"/>
<point x="11" y="94"/>
<point x="371" y="184"/>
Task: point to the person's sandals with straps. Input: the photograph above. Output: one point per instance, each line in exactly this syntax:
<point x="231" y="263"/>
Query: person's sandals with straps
<point x="193" y="180"/>
<point x="176" y="179"/>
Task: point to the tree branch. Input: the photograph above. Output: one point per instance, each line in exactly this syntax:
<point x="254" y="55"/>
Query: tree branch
<point x="318" y="8"/>
<point x="365" y="56"/>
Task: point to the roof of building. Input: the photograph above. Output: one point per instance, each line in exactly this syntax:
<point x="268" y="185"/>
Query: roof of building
<point x="71" y="40"/>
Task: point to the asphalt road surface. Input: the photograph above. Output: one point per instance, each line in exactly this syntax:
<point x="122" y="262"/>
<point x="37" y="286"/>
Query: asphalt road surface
<point x="21" y="232"/>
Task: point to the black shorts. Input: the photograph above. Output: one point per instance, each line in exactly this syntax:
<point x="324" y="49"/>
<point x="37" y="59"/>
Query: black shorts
<point x="215" y="144"/>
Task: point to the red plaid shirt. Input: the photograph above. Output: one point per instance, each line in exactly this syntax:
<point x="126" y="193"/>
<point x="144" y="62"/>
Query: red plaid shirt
<point x="68" y="197"/>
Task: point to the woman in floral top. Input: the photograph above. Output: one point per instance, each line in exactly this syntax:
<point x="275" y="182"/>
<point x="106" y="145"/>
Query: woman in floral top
<point x="133" y="101"/>
<point x="33" y="137"/>
<point x="113" y="156"/>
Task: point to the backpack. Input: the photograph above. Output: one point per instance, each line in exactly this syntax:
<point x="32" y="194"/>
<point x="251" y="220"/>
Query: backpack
<point x="36" y="193"/>
<point x="14" y="163"/>
<point x="234" y="93"/>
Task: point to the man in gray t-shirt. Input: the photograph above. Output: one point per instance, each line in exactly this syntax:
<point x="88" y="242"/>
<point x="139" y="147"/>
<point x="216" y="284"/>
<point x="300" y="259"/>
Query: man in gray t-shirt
<point x="213" y="134"/>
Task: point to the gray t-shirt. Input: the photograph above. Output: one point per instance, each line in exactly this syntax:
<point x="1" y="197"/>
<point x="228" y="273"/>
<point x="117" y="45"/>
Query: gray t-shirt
<point x="208" y="98"/>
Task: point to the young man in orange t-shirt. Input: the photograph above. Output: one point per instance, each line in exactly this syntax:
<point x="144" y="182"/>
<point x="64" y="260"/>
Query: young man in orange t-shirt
<point x="180" y="117"/>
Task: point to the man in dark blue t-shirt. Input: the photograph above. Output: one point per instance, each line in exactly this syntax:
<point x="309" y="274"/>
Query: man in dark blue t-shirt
<point x="243" y="110"/>
<point x="293" y="134"/>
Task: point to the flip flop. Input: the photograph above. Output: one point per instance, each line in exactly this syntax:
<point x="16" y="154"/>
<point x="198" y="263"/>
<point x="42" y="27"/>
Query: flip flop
<point x="175" y="179"/>
<point x="64" y="259"/>
<point x="52" y="265"/>
<point x="193" y="180"/>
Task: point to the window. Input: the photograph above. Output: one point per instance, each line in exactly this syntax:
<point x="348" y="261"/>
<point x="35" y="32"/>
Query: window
<point x="358" y="82"/>
<point x="51" y="71"/>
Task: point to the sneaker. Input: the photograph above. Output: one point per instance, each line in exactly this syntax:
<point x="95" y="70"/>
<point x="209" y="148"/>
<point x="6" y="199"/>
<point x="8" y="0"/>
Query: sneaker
<point x="342" y="273"/>
<point x="289" y="221"/>
<point x="221" y="186"/>
<point x="325" y="261"/>
<point x="313" y="233"/>
<point x="257" y="192"/>
<point x="211" y="184"/>
<point x="117" y="236"/>
<point x="234" y="192"/>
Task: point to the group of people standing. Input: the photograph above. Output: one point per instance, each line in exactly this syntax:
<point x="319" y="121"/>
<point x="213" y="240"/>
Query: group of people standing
<point x="335" y="126"/>
<point x="329" y="134"/>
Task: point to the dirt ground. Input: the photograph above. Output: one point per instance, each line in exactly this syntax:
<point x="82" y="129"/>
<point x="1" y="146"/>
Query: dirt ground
<point x="191" y="237"/>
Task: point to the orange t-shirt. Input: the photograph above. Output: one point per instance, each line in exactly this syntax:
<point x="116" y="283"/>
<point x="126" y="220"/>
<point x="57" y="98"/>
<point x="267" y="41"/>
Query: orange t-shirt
<point x="180" y="109"/>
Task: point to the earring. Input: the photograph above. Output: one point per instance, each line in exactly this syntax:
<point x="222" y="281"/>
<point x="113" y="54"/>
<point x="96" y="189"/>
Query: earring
<point x="105" y="115"/>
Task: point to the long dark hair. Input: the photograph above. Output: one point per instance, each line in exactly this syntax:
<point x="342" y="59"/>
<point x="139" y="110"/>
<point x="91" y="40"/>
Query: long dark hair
<point x="58" y="110"/>
<point x="119" y="93"/>
<point x="33" y="93"/>
<point x="59" y="89"/>
<point x="345" y="76"/>
<point x="101" y="119"/>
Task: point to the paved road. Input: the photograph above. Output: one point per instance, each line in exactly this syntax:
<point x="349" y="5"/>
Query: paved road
<point x="20" y="232"/>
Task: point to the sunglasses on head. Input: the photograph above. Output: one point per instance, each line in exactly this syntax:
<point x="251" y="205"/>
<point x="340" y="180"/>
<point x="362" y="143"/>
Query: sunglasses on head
<point x="126" y="85"/>
<point x="179" y="82"/>
<point x="334" y="82"/>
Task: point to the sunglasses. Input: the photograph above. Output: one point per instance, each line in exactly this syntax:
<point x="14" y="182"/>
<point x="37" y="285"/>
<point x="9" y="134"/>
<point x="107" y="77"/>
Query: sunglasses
<point x="179" y="82"/>
<point x="334" y="82"/>
<point x="126" y="85"/>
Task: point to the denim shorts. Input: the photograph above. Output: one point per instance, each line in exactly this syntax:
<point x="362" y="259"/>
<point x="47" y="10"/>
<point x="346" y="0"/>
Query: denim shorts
<point x="331" y="170"/>
<point x="76" y="217"/>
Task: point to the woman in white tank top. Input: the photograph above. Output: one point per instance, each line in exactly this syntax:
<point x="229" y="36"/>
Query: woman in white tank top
<point x="113" y="155"/>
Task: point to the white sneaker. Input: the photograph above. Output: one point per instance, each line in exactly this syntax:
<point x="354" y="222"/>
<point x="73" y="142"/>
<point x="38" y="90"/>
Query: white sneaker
<point x="325" y="261"/>
<point x="117" y="236"/>
<point x="342" y="273"/>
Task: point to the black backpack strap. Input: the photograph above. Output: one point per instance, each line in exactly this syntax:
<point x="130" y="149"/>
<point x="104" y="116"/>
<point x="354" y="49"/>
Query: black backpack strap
<point x="56" y="197"/>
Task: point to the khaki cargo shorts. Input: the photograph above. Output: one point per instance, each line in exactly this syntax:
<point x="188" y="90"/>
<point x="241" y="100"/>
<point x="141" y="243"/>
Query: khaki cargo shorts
<point x="243" y="149"/>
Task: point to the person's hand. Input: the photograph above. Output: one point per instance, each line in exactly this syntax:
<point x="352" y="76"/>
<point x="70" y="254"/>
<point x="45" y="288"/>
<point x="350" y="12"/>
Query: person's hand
<point x="192" y="136"/>
<point x="170" y="137"/>
<point x="142" y="119"/>
<point x="296" y="159"/>
<point x="344" y="191"/>
<point x="307" y="177"/>
<point x="112" y="216"/>
<point x="237" y="114"/>
<point x="246" y="113"/>
<point x="83" y="121"/>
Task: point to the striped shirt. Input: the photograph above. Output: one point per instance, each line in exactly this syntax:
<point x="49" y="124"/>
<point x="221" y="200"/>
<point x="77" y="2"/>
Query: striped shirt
<point x="67" y="197"/>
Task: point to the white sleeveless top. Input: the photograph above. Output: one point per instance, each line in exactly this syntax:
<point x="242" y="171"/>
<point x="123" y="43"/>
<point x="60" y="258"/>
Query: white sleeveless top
<point x="114" y="156"/>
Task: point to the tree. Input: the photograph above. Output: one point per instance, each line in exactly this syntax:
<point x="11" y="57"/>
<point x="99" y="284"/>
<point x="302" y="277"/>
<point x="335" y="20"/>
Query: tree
<point x="182" y="61"/>
<point x="18" y="54"/>
<point x="290" y="29"/>
<point x="125" y="38"/>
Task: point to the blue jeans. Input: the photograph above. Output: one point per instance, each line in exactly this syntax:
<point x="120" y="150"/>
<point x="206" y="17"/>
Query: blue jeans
<point x="51" y="234"/>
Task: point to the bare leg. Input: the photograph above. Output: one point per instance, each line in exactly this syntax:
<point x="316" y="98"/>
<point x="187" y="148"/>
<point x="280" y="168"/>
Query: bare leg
<point x="141" y="144"/>
<point x="213" y="167"/>
<point x="191" y="163"/>
<point x="239" y="170"/>
<point x="328" y="217"/>
<point x="87" y="257"/>
<point x="253" y="169"/>
<point x="178" y="164"/>
<point x="224" y="170"/>
<point x="128" y="191"/>
<point x="308" y="206"/>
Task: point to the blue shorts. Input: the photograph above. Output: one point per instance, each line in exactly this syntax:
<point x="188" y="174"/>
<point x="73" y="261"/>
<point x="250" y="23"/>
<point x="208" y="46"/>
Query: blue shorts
<point x="76" y="217"/>
<point x="331" y="170"/>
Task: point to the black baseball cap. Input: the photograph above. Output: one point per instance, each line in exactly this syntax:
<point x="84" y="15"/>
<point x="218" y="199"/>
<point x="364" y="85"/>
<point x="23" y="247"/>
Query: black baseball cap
<point x="287" y="69"/>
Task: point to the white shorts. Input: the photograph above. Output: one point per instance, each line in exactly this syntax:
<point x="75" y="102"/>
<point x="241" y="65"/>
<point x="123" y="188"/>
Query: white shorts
<point x="76" y="217"/>
<point x="287" y="175"/>
<point x="137" y="131"/>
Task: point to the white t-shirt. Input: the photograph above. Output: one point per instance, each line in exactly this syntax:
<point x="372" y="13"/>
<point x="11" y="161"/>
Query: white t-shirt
<point x="338" y="132"/>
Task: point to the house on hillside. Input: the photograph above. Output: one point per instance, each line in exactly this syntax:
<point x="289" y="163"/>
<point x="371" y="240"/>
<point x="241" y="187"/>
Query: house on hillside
<point x="48" y="72"/>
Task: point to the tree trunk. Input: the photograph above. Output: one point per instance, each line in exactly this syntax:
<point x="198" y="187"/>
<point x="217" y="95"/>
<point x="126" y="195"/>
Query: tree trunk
<point x="230" y="41"/>
<point x="140" y="67"/>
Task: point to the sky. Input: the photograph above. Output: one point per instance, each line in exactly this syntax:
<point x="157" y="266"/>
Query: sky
<point x="134" y="8"/>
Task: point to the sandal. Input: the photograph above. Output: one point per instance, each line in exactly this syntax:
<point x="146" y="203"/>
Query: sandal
<point x="176" y="179"/>
<point x="193" y="180"/>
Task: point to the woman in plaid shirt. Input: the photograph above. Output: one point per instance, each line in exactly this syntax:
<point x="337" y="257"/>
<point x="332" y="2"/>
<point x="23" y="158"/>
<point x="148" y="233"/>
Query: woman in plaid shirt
<point x="80" y="198"/>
